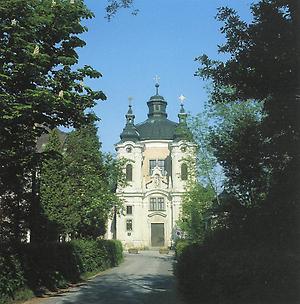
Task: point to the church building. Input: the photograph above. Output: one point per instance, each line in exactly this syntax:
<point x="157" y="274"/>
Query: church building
<point x="156" y="151"/>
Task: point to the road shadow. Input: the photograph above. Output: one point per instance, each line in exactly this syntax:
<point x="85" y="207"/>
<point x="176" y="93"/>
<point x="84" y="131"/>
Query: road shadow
<point x="114" y="289"/>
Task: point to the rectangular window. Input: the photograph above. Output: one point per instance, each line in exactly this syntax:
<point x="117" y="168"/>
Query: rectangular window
<point x="129" y="225"/>
<point x="129" y="210"/>
<point x="152" y="164"/>
<point x="160" y="163"/>
<point x="157" y="204"/>
<point x="160" y="203"/>
<point x="153" y="204"/>
<point x="129" y="173"/>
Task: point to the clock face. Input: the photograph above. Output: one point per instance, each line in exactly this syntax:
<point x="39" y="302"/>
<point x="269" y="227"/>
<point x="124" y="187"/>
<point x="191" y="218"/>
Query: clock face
<point x="129" y="149"/>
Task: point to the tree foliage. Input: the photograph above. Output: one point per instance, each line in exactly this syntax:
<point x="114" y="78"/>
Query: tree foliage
<point x="40" y="88"/>
<point x="53" y="191"/>
<point x="207" y="170"/>
<point x="89" y="198"/>
<point x="260" y="155"/>
<point x="237" y="142"/>
<point x="78" y="184"/>
<point x="262" y="53"/>
<point x="196" y="204"/>
<point x="115" y="5"/>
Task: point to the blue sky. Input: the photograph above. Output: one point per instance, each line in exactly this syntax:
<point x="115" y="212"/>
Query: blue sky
<point x="163" y="39"/>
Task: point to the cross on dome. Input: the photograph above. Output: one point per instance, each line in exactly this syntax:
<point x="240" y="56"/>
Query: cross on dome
<point x="182" y="98"/>
<point x="130" y="98"/>
<point x="156" y="78"/>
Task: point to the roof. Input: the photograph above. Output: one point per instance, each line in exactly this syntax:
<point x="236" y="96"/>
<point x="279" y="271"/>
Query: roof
<point x="156" y="128"/>
<point x="44" y="138"/>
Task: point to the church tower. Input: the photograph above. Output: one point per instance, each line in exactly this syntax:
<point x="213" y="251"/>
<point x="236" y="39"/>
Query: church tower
<point x="156" y="173"/>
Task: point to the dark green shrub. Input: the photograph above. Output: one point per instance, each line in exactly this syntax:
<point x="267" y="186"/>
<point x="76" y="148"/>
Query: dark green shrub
<point x="115" y="250"/>
<point x="238" y="276"/>
<point x="54" y="265"/>
<point x="50" y="265"/>
<point x="180" y="246"/>
<point x="98" y="255"/>
<point x="11" y="276"/>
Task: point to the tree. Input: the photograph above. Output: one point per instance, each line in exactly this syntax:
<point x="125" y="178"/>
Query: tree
<point x="115" y="5"/>
<point x="203" y="181"/>
<point x="264" y="65"/>
<point x="262" y="54"/>
<point x="39" y="86"/>
<point x="90" y="198"/>
<point x="196" y="206"/>
<point x="77" y="186"/>
<point x="208" y="171"/>
<point x="237" y="142"/>
<point x="53" y="186"/>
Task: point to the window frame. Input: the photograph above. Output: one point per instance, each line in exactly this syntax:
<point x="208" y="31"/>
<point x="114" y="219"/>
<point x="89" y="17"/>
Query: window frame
<point x="129" y="225"/>
<point x="160" y="163"/>
<point x="129" y="172"/>
<point x="184" y="172"/>
<point x="157" y="203"/>
<point x="128" y="207"/>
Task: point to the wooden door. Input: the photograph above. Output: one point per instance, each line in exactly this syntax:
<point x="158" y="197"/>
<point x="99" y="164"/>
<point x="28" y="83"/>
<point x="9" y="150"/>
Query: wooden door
<point x="157" y="235"/>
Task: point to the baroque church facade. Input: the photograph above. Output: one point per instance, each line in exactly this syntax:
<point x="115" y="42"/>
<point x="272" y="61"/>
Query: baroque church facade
<point x="156" y="151"/>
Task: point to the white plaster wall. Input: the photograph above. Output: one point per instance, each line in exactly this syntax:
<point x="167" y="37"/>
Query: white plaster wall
<point x="138" y="196"/>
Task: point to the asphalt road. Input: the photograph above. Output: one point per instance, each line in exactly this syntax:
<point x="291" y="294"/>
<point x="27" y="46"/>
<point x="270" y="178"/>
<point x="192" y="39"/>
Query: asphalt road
<point x="144" y="278"/>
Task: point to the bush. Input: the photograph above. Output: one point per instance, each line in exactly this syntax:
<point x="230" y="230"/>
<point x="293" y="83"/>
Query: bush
<point x="11" y="276"/>
<point x="54" y="265"/>
<point x="97" y="255"/>
<point x="180" y="245"/>
<point x="238" y="276"/>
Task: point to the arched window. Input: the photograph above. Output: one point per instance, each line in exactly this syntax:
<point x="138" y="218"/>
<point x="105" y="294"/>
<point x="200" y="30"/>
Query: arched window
<point x="129" y="172"/>
<point x="184" y="172"/>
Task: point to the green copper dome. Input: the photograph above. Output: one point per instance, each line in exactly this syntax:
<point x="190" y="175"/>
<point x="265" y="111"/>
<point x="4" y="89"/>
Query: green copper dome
<point x="182" y="131"/>
<point x="157" y="126"/>
<point x="130" y="132"/>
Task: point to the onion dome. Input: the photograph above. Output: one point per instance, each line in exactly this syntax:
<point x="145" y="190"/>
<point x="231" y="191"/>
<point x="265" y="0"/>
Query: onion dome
<point x="157" y="126"/>
<point x="182" y="131"/>
<point x="130" y="132"/>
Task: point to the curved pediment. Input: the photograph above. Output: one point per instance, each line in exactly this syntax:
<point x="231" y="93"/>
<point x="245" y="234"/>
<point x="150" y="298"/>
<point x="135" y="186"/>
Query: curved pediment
<point x="157" y="213"/>
<point x="157" y="191"/>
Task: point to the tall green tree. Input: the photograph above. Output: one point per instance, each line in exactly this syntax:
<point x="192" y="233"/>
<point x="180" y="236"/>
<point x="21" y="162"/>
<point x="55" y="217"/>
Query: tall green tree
<point x="195" y="214"/>
<point x="203" y="184"/>
<point x="263" y="65"/>
<point x="208" y="171"/>
<point x="90" y="197"/>
<point x="53" y="182"/>
<point x="40" y="88"/>
<point x="237" y="142"/>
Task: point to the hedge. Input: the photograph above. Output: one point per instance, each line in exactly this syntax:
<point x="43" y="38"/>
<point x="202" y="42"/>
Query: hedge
<point x="11" y="275"/>
<point x="54" y="265"/>
<point x="238" y="276"/>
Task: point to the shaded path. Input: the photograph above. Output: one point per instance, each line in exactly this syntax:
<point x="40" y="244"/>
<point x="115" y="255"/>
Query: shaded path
<point x="143" y="278"/>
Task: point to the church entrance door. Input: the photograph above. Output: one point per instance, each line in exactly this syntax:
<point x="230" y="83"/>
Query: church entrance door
<point x="157" y="235"/>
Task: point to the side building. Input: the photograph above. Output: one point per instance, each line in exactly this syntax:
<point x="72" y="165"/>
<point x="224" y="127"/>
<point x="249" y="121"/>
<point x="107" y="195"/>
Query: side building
<point x="157" y="151"/>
